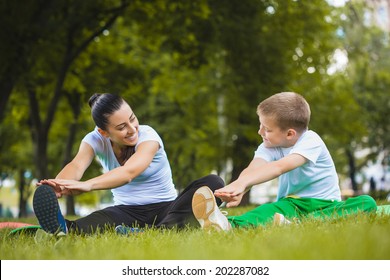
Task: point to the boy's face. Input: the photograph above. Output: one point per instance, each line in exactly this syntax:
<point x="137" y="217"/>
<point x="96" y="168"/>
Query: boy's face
<point x="271" y="133"/>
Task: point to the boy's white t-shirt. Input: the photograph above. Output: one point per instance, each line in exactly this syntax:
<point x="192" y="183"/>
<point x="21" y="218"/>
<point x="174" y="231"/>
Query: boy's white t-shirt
<point x="317" y="178"/>
<point x="154" y="185"/>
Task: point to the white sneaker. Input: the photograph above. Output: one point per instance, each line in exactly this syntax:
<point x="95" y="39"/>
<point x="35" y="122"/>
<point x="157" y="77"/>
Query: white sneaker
<point x="206" y="211"/>
<point x="279" y="220"/>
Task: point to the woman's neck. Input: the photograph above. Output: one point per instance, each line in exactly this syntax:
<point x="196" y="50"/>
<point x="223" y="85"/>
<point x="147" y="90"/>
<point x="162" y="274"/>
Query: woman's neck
<point x="122" y="153"/>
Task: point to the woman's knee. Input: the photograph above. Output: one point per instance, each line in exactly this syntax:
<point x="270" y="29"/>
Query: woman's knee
<point x="213" y="181"/>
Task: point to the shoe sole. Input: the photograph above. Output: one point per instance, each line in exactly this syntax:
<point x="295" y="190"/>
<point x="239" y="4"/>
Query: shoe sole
<point x="277" y="220"/>
<point x="280" y="220"/>
<point x="203" y="205"/>
<point x="46" y="207"/>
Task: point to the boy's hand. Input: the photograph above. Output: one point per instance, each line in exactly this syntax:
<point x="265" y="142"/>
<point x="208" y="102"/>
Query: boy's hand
<point x="233" y="189"/>
<point x="232" y="194"/>
<point x="231" y="201"/>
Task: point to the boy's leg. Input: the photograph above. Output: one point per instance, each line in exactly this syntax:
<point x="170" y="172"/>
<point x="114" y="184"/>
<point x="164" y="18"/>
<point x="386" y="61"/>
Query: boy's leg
<point x="363" y="203"/>
<point x="180" y="212"/>
<point x="383" y="210"/>
<point x="296" y="207"/>
<point x="264" y="214"/>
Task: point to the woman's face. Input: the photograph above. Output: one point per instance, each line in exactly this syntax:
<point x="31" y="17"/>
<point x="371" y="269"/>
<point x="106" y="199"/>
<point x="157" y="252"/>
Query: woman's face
<point x="123" y="126"/>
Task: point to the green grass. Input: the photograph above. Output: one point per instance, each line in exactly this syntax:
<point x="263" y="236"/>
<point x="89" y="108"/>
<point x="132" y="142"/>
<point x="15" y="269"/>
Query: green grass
<point x="359" y="237"/>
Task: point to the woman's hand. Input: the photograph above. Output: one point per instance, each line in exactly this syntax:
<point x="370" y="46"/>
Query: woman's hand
<point x="56" y="187"/>
<point x="66" y="187"/>
<point x="73" y="187"/>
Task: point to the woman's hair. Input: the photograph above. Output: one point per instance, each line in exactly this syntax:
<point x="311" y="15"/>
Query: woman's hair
<point x="288" y="109"/>
<point x="102" y="106"/>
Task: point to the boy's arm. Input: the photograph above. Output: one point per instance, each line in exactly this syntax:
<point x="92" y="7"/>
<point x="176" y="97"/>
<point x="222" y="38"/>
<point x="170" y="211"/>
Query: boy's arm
<point x="257" y="172"/>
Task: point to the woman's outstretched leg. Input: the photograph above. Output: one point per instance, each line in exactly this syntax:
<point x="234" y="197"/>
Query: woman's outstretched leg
<point x="180" y="212"/>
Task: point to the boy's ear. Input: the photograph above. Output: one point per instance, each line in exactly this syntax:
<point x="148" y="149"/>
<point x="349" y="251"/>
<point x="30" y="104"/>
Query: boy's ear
<point x="291" y="133"/>
<point x="103" y="132"/>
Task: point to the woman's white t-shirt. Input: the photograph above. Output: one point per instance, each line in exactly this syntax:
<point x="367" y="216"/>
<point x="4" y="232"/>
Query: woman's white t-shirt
<point x="317" y="178"/>
<point x="153" y="185"/>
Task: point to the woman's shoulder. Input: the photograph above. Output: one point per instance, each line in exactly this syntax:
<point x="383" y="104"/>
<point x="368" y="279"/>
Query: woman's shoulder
<point x="147" y="132"/>
<point x="94" y="133"/>
<point x="147" y="129"/>
<point x="94" y="137"/>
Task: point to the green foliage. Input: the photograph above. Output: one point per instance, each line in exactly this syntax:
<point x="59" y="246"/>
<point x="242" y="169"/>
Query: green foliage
<point x="15" y="142"/>
<point x="194" y="70"/>
<point x="367" y="75"/>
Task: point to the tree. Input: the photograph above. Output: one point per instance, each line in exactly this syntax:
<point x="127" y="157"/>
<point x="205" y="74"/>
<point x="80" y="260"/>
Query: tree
<point x="368" y="52"/>
<point x="195" y="70"/>
<point x="64" y="29"/>
<point x="16" y="156"/>
<point x="265" y="57"/>
<point x="80" y="22"/>
<point x="22" y="30"/>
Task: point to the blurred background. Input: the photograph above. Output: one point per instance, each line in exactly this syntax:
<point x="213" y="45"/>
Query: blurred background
<point x="195" y="71"/>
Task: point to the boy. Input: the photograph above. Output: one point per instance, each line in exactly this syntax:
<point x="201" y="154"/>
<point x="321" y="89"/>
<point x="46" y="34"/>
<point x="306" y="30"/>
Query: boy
<point x="308" y="182"/>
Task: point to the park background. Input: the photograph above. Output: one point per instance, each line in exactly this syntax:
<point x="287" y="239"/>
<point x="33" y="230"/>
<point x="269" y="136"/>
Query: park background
<point x="195" y="71"/>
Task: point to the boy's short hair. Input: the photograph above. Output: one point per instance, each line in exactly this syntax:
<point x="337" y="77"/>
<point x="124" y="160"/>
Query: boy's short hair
<point x="288" y="109"/>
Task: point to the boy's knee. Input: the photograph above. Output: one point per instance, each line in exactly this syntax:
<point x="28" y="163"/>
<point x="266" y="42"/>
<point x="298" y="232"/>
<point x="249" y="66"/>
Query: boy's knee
<point x="369" y="204"/>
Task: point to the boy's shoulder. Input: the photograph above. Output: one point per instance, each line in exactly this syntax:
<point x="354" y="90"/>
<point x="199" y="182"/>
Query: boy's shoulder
<point x="309" y="139"/>
<point x="310" y="134"/>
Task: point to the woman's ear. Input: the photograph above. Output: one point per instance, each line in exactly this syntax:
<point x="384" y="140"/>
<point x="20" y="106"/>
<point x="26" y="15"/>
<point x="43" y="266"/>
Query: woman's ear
<point x="103" y="132"/>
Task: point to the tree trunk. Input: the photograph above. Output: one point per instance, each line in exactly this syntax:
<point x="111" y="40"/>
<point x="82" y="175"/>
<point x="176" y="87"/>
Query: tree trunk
<point x="237" y="169"/>
<point x="352" y="169"/>
<point x="5" y="92"/>
<point x="39" y="135"/>
<point x="240" y="165"/>
<point x="22" y="195"/>
<point x="75" y="104"/>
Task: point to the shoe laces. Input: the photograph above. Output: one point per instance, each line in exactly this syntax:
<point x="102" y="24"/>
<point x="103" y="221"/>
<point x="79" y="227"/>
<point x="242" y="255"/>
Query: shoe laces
<point x="225" y="213"/>
<point x="223" y="205"/>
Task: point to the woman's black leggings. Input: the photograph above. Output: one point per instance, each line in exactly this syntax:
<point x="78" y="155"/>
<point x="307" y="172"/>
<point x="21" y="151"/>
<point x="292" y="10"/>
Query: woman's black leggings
<point x="176" y="213"/>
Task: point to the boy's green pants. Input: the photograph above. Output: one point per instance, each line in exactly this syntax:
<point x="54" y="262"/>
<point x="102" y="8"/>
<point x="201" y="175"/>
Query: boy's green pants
<point x="302" y="207"/>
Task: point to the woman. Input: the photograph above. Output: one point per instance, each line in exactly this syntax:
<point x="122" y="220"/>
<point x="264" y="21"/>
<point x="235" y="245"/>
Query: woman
<point x="136" y="169"/>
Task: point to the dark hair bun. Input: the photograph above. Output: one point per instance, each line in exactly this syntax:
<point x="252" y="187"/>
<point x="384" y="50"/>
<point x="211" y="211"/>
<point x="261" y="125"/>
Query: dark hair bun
<point x="92" y="100"/>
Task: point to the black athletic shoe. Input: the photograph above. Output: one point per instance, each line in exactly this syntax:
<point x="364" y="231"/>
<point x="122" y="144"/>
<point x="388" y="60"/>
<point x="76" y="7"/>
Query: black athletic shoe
<point x="47" y="210"/>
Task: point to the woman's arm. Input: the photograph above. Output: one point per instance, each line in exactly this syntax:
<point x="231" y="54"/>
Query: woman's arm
<point x="74" y="170"/>
<point x="134" y="166"/>
<point x="119" y="176"/>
